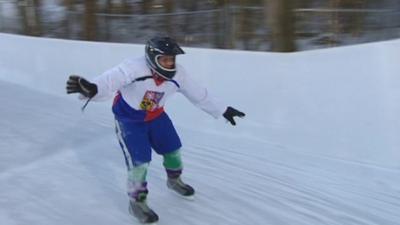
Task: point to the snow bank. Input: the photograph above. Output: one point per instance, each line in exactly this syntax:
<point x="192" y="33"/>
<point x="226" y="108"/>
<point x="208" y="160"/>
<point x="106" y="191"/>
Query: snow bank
<point x="341" y="103"/>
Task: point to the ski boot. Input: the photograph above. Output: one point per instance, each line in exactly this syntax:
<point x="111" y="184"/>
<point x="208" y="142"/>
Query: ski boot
<point x="141" y="211"/>
<point x="177" y="185"/>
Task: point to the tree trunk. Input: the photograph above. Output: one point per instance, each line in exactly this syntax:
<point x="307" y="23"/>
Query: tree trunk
<point x="146" y="6"/>
<point x="219" y="25"/>
<point x="37" y="28"/>
<point x="126" y="8"/>
<point x="245" y="26"/>
<point x="90" y="21"/>
<point x="280" y="18"/>
<point x="68" y="4"/>
<point x="169" y="8"/>
<point x="191" y="21"/>
<point x="30" y="17"/>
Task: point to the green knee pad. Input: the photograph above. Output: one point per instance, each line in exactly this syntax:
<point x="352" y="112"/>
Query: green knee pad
<point x="173" y="160"/>
<point x="138" y="173"/>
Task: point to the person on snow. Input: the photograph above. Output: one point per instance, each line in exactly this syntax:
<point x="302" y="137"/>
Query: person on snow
<point x="141" y="87"/>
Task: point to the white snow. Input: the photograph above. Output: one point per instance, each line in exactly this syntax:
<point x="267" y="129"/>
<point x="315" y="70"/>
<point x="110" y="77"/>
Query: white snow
<point x="319" y="145"/>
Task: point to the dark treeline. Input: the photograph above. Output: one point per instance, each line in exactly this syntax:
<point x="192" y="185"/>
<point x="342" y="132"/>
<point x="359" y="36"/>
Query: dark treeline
<point x="265" y="25"/>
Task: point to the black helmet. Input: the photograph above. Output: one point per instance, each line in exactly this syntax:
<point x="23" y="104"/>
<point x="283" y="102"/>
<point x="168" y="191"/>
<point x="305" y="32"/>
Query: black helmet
<point x="158" y="46"/>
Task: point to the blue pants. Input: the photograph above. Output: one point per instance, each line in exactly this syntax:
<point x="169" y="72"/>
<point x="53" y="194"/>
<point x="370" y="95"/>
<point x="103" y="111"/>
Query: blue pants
<point x="137" y="138"/>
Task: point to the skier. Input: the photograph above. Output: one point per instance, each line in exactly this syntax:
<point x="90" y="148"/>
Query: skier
<point x="141" y="87"/>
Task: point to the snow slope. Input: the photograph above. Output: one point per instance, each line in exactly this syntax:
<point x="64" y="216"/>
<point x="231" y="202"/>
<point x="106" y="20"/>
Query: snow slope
<point x="319" y="144"/>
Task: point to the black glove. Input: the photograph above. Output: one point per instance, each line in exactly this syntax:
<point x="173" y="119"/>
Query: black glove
<point x="230" y="113"/>
<point x="77" y="84"/>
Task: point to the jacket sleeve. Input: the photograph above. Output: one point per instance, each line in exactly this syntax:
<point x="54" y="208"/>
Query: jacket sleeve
<point x="112" y="80"/>
<point x="200" y="97"/>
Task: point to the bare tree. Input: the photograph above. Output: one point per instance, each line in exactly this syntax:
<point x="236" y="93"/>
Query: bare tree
<point x="219" y="24"/>
<point x="90" y="20"/>
<point x="353" y="22"/>
<point x="245" y="26"/>
<point x="38" y="30"/>
<point x="169" y="8"/>
<point x="68" y="4"/>
<point x="30" y="17"/>
<point x="334" y="24"/>
<point x="280" y="18"/>
<point x="190" y="22"/>
<point x="226" y="29"/>
<point x="126" y="8"/>
<point x="146" y="6"/>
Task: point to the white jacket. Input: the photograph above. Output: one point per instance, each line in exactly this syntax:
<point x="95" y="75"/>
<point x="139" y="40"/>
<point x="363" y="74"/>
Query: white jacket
<point x="146" y="94"/>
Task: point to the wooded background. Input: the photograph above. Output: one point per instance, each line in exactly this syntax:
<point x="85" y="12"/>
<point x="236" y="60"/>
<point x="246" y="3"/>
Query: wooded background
<point x="263" y="25"/>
